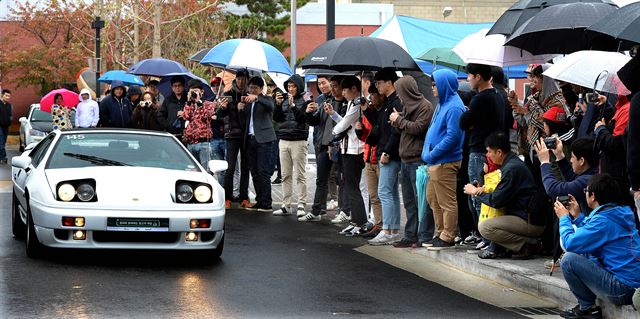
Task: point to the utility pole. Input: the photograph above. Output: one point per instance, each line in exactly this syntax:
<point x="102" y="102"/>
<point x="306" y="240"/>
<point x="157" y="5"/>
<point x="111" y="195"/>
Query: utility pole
<point x="331" y="19"/>
<point x="98" y="24"/>
<point x="293" y="35"/>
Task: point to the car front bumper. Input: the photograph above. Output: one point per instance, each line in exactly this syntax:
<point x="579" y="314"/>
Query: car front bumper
<point x="51" y="233"/>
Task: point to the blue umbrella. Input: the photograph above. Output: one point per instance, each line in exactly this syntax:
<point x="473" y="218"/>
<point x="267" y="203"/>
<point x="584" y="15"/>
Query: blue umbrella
<point x="247" y="54"/>
<point x="157" y="67"/>
<point x="123" y="76"/>
<point x="165" y="84"/>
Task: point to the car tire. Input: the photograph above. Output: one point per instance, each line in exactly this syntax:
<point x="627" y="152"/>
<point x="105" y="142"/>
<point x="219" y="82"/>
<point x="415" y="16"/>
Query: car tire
<point x="18" y="228"/>
<point x="34" y="247"/>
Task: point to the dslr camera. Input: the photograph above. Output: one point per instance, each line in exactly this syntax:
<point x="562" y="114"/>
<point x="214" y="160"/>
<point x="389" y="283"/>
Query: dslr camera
<point x="145" y="104"/>
<point x="550" y="142"/>
<point x="564" y="200"/>
<point x="360" y="100"/>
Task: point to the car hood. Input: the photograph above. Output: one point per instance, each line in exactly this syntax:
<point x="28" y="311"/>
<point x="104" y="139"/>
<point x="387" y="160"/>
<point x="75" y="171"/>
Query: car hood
<point x="134" y="188"/>
<point x="42" y="126"/>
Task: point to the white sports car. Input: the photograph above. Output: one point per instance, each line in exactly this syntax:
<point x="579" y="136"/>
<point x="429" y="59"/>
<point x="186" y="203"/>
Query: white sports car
<point x="116" y="189"/>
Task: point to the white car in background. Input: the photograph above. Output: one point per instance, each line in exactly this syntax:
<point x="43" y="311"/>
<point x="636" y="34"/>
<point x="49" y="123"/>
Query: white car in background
<point x="35" y="126"/>
<point x="116" y="189"/>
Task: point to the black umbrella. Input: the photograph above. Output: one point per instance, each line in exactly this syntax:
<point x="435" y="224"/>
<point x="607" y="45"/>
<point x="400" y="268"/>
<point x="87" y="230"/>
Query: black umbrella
<point x="523" y="10"/>
<point x="359" y="54"/>
<point x="621" y="26"/>
<point x="197" y="57"/>
<point x="559" y="29"/>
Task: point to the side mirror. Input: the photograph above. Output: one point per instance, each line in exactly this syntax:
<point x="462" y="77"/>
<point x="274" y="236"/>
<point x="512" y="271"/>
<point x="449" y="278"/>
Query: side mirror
<point x="30" y="146"/>
<point x="22" y="119"/>
<point x="21" y="162"/>
<point x="218" y="166"/>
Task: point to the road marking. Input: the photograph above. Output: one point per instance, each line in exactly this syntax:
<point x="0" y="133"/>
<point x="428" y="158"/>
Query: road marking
<point x="475" y="287"/>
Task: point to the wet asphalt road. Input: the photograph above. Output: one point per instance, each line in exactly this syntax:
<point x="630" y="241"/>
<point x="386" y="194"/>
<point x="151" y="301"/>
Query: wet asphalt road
<point x="272" y="267"/>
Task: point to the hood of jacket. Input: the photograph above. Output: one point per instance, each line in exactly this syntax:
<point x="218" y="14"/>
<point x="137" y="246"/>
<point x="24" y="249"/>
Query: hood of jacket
<point x="133" y="90"/>
<point x="447" y="85"/>
<point x="117" y="84"/>
<point x="410" y="95"/>
<point x="297" y="80"/>
<point x="236" y="89"/>
<point x="85" y="91"/>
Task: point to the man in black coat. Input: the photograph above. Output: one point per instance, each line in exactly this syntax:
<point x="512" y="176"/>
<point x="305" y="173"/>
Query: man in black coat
<point x="6" y="115"/>
<point x="172" y="107"/>
<point x="115" y="109"/>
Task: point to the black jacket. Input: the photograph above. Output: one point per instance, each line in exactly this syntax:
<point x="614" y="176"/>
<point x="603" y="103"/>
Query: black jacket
<point x="262" y="119"/>
<point x="321" y="122"/>
<point x="613" y="153"/>
<point x="633" y="142"/>
<point x="115" y="112"/>
<point x="293" y="125"/>
<point x="169" y="111"/>
<point x="485" y="116"/>
<point x="5" y="114"/>
<point x="515" y="189"/>
<point x="388" y="136"/>
<point x="235" y="124"/>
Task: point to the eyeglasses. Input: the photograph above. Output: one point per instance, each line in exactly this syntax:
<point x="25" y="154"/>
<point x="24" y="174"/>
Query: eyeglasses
<point x="585" y="190"/>
<point x="433" y="84"/>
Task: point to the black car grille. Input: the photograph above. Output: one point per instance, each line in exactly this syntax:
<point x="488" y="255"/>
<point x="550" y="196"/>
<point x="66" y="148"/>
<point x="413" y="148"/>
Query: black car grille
<point x="135" y="237"/>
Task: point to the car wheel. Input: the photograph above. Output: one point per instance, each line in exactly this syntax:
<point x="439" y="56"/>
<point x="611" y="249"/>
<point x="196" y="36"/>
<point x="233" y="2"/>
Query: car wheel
<point x="17" y="226"/>
<point x="34" y="247"/>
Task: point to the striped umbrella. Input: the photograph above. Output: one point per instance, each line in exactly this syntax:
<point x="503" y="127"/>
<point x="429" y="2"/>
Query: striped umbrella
<point x="238" y="54"/>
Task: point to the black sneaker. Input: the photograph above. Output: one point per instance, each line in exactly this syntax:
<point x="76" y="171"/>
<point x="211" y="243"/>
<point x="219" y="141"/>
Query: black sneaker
<point x="276" y="181"/>
<point x="404" y="243"/>
<point x="429" y="242"/>
<point x="592" y="313"/>
<point x="355" y="232"/>
<point x="439" y="244"/>
<point x="260" y="208"/>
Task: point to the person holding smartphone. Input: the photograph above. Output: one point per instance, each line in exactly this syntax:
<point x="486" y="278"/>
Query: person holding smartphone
<point x="293" y="132"/>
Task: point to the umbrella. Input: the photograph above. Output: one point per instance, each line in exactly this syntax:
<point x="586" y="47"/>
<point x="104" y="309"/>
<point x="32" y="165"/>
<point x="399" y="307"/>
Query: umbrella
<point x="490" y="50"/>
<point x="444" y="57"/>
<point x="422" y="179"/>
<point x="69" y="99"/>
<point x="623" y="26"/>
<point x="523" y="10"/>
<point x="585" y="68"/>
<point x="359" y="54"/>
<point x="164" y="86"/>
<point x="559" y="29"/>
<point x="123" y="76"/>
<point x="157" y="67"/>
<point x="197" y="57"/>
<point x="247" y="54"/>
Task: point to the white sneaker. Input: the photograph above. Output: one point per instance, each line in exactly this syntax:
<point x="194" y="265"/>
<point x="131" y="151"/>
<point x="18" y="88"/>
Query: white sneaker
<point x="347" y="229"/>
<point x="384" y="239"/>
<point x="332" y="204"/>
<point x="281" y="212"/>
<point x="300" y="210"/>
<point x="310" y="218"/>
<point x="341" y="218"/>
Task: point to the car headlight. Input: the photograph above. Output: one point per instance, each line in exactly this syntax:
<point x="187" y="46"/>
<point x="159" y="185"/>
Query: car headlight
<point x="33" y="132"/>
<point x="66" y="192"/>
<point x="184" y="192"/>
<point x="85" y="192"/>
<point x="202" y="193"/>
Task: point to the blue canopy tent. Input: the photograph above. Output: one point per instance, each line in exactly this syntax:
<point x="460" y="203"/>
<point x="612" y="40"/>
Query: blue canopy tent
<point x="419" y="35"/>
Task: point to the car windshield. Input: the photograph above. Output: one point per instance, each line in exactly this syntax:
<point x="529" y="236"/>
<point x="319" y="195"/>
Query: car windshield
<point x="75" y="150"/>
<point x="39" y="115"/>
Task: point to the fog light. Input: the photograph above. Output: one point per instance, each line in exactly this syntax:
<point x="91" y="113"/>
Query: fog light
<point x="191" y="236"/>
<point x="200" y="223"/>
<point x="79" y="235"/>
<point x="79" y="221"/>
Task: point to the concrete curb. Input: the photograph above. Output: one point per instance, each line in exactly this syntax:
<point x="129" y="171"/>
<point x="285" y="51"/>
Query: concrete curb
<point x="526" y="276"/>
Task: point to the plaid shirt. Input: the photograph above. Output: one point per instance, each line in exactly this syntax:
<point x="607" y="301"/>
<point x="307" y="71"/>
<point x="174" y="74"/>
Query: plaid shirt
<point x="199" y="117"/>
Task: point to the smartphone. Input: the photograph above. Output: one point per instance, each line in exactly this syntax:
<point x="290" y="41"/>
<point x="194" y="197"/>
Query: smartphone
<point x="580" y="98"/>
<point x="591" y="97"/>
<point x="307" y="96"/>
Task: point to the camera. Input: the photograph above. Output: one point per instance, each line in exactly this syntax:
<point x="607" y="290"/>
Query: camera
<point x="550" y="142"/>
<point x="360" y="100"/>
<point x="193" y="95"/>
<point x="145" y="104"/>
<point x="591" y="97"/>
<point x="475" y="183"/>
<point x="243" y="99"/>
<point x="564" y="200"/>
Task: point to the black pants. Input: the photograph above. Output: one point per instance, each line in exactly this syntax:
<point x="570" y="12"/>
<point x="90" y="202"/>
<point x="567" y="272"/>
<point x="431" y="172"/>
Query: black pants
<point x="352" y="166"/>
<point x="233" y="147"/>
<point x="261" y="165"/>
<point x="343" y="203"/>
<point x="323" y="164"/>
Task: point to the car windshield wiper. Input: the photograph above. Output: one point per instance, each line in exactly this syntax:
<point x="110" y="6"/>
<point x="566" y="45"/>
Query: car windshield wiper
<point x="96" y="160"/>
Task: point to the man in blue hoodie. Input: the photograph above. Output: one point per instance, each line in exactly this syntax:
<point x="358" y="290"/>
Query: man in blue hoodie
<point x="602" y="250"/>
<point x="442" y="151"/>
<point x="115" y="109"/>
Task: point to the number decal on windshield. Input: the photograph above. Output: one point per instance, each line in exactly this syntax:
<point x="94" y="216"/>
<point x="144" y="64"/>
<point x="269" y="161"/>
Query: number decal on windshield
<point x="75" y="137"/>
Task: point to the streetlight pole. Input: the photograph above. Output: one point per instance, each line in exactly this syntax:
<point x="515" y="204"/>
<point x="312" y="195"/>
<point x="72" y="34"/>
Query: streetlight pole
<point x="331" y="19"/>
<point x="98" y="24"/>
<point x="293" y="35"/>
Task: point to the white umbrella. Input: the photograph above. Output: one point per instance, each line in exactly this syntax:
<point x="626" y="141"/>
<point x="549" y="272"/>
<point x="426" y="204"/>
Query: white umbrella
<point x="585" y="68"/>
<point x="490" y="50"/>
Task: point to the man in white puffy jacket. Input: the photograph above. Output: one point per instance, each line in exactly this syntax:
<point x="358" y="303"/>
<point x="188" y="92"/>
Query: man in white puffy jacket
<point x="87" y="111"/>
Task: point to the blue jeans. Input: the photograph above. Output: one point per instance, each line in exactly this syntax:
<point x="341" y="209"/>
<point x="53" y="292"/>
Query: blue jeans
<point x="219" y="152"/>
<point x="202" y="152"/>
<point x="4" y="132"/>
<point x="588" y="280"/>
<point x="389" y="196"/>
<point x="412" y="230"/>
<point x="476" y="173"/>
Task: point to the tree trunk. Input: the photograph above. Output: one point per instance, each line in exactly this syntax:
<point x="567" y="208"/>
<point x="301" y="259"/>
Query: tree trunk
<point x="136" y="34"/>
<point x="157" y="18"/>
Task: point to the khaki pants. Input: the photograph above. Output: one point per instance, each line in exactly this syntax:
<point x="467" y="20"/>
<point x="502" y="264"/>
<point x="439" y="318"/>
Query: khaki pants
<point x="510" y="232"/>
<point x="372" y="173"/>
<point x="441" y="195"/>
<point x="293" y="160"/>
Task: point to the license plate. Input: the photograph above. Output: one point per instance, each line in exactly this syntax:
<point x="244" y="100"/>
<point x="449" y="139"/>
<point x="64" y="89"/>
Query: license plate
<point x="138" y="224"/>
